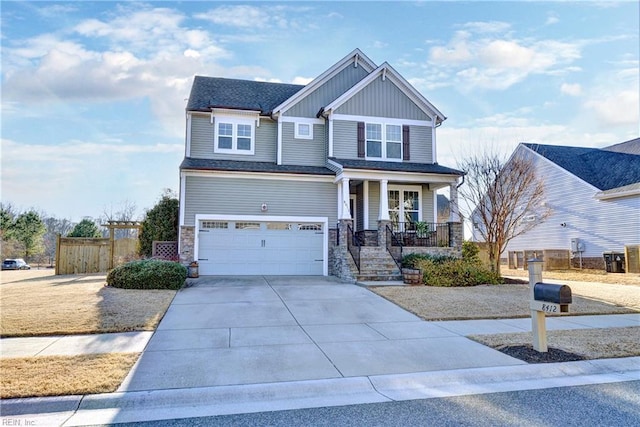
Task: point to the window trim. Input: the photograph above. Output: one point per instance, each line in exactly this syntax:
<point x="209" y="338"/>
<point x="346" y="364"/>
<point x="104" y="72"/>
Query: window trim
<point x="384" y="141"/>
<point x="298" y="135"/>
<point x="234" y="122"/>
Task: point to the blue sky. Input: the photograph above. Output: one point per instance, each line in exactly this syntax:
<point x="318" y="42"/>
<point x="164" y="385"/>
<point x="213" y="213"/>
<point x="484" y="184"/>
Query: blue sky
<point x="93" y="93"/>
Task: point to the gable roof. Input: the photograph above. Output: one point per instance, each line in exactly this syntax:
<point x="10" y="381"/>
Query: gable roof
<point x="602" y="169"/>
<point x="216" y="92"/>
<point x="356" y="57"/>
<point x="387" y="71"/>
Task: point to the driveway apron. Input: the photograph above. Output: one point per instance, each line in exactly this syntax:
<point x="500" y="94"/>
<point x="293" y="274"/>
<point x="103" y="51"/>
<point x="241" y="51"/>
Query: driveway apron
<point x="262" y="329"/>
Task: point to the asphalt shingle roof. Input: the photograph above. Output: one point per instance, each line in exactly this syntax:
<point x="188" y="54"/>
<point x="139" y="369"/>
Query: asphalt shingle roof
<point x="215" y="92"/>
<point x="601" y="168"/>
<point x="397" y="166"/>
<point x="244" y="166"/>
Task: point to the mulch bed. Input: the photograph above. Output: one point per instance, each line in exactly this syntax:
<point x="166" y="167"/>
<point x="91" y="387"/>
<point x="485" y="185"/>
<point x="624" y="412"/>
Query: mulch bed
<point x="529" y="355"/>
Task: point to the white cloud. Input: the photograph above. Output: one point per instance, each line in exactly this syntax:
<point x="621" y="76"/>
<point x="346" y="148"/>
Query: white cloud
<point x="621" y="108"/>
<point x="552" y="19"/>
<point x="298" y="80"/>
<point x="237" y="16"/>
<point x="571" y="89"/>
<point x="499" y="63"/>
<point x="487" y="26"/>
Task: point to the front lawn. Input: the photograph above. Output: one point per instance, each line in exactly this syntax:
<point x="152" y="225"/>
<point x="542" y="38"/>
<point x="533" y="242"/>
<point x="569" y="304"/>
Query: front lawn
<point x="45" y="304"/>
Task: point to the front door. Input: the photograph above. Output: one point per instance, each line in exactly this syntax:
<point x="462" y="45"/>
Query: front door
<point x="405" y="206"/>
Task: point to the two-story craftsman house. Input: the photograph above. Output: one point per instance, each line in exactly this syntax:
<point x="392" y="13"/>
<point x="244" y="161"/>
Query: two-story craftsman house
<point x="329" y="178"/>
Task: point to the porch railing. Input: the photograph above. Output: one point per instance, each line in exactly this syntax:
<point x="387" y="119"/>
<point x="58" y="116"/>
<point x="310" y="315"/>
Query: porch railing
<point x="424" y="234"/>
<point x="394" y="246"/>
<point x="354" y="245"/>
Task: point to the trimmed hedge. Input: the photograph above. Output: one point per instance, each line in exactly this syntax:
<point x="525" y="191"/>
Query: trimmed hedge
<point x="449" y="271"/>
<point x="148" y="274"/>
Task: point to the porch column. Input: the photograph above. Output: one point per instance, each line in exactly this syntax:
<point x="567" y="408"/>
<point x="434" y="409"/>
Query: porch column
<point x="365" y="207"/>
<point x="454" y="212"/>
<point x="345" y="212"/>
<point x="383" y="219"/>
<point x="384" y="200"/>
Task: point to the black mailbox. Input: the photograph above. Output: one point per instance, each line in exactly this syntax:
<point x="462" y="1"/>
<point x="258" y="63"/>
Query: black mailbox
<point x="559" y="294"/>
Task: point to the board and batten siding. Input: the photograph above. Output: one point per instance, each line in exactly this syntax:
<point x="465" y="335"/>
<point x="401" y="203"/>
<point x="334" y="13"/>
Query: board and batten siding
<point x="382" y="98"/>
<point x="306" y="152"/>
<point x="202" y="144"/>
<point x="245" y="196"/>
<point x="329" y="91"/>
<point x="602" y="225"/>
<point x="345" y="141"/>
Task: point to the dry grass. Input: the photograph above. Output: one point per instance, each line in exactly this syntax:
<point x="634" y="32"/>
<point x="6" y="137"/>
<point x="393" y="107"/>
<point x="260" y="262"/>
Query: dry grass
<point x="589" y="343"/>
<point x="579" y="276"/>
<point x="58" y="376"/>
<point x="34" y="303"/>
<point x="590" y="296"/>
<point x="494" y="301"/>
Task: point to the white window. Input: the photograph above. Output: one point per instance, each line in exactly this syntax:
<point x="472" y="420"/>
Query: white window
<point x="303" y="131"/>
<point x="234" y="136"/>
<point x="383" y="141"/>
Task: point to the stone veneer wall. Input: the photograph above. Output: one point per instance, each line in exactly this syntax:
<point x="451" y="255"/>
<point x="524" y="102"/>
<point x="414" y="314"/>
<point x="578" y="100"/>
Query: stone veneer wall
<point x="435" y="251"/>
<point x="187" y="241"/>
<point x="339" y="256"/>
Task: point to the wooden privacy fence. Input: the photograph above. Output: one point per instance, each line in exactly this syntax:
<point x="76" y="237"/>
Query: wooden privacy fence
<point x="79" y="255"/>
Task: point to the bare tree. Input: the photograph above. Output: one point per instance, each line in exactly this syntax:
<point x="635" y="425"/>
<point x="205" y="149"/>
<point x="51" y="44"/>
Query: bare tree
<point x="504" y="198"/>
<point x="125" y="212"/>
<point x="54" y="227"/>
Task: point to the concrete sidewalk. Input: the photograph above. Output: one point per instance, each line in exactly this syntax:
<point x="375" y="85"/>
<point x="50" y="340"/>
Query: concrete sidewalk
<point x="246" y="344"/>
<point x="136" y="342"/>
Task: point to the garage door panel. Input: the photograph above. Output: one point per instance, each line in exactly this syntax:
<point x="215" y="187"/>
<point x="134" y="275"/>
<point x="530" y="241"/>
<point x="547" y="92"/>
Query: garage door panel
<point x="270" y="248"/>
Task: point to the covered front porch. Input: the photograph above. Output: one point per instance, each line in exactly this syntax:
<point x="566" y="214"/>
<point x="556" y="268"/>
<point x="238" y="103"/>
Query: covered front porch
<point x="397" y="212"/>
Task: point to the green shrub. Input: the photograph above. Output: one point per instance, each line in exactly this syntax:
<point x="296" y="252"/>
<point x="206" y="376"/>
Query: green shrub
<point x="470" y="251"/>
<point x="455" y="272"/>
<point x="148" y="274"/>
<point x="412" y="260"/>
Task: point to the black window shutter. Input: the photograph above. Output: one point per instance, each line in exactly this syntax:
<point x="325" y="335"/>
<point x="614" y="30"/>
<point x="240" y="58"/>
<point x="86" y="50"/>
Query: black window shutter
<point x="360" y="139"/>
<point x="405" y="143"/>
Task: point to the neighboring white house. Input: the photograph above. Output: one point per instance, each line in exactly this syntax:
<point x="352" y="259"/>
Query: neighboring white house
<point x="327" y="178"/>
<point x="594" y="199"/>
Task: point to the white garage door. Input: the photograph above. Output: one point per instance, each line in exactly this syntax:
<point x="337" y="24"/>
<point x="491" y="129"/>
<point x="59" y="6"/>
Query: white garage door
<point x="255" y="248"/>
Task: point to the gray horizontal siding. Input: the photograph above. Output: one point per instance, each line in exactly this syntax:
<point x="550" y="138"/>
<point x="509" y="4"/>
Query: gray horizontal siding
<point x="427" y="204"/>
<point x="202" y="132"/>
<point x="238" y="196"/>
<point x="307" y="152"/>
<point x="421" y="144"/>
<point x="328" y="92"/>
<point x="345" y="139"/>
<point x="382" y="99"/>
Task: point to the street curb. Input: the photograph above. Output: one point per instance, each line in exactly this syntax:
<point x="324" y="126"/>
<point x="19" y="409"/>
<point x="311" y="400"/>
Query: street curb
<point x="235" y="399"/>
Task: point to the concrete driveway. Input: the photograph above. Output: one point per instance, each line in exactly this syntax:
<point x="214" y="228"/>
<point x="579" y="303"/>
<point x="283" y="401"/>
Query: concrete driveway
<point x="265" y="329"/>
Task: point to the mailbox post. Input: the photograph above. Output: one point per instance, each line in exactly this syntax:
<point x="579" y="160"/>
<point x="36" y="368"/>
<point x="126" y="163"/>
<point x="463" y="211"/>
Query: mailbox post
<point x="538" y="325"/>
<point x="544" y="298"/>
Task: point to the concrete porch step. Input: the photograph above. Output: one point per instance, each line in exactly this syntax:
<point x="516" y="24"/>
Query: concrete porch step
<point x="378" y="278"/>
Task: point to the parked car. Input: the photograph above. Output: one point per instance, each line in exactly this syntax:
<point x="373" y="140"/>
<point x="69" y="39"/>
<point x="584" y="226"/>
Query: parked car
<point x="15" y="264"/>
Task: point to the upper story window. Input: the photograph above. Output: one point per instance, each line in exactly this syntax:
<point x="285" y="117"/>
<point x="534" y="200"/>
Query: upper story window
<point x="383" y="141"/>
<point x="303" y="130"/>
<point x="234" y="136"/>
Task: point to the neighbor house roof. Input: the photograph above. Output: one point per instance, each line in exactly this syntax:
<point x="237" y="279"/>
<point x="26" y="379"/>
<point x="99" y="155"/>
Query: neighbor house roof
<point x="630" y="147"/>
<point x="243" y="166"/>
<point x="216" y="92"/>
<point x="603" y="169"/>
<point x="396" y="166"/>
